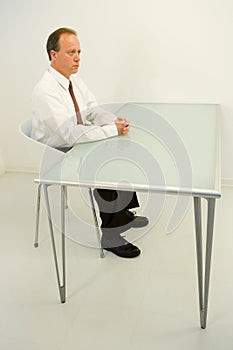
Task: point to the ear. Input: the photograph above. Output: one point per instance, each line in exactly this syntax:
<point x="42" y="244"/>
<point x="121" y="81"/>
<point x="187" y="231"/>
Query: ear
<point x="53" y="55"/>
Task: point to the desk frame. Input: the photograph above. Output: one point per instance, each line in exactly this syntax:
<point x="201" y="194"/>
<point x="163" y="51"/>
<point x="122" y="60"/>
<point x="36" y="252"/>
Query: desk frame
<point x="202" y="271"/>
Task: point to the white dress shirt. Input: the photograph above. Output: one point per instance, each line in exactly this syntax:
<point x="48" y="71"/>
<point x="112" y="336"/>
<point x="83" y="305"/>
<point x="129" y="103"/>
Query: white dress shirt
<point x="54" y="119"/>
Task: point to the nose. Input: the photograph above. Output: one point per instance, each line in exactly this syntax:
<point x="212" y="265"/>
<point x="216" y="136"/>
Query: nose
<point x="77" y="57"/>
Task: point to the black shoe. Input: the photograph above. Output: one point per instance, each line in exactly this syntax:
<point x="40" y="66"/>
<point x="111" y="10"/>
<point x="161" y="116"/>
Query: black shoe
<point x="120" y="247"/>
<point x="125" y="251"/>
<point x="131" y="221"/>
<point x="136" y="221"/>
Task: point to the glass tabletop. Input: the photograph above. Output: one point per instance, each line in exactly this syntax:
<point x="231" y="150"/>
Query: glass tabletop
<point x="171" y="148"/>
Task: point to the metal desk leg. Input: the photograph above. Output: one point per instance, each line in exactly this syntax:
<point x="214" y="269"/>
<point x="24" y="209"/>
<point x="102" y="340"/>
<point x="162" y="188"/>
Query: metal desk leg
<point x="204" y="292"/>
<point x="96" y="223"/>
<point x="66" y="197"/>
<point x="37" y="215"/>
<point x="62" y="287"/>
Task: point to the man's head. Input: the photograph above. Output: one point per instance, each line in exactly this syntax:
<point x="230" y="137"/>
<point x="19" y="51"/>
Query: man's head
<point x="63" y="48"/>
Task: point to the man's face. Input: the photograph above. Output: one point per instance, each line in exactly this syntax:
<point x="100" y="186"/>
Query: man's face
<point x="66" y="60"/>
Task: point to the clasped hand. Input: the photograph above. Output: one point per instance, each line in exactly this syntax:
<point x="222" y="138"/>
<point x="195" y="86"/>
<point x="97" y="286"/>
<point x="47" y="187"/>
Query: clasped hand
<point x="122" y="125"/>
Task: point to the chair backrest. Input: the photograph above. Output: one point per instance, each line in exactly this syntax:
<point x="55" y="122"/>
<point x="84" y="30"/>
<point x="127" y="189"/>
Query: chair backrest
<point x="26" y="127"/>
<point x="43" y="157"/>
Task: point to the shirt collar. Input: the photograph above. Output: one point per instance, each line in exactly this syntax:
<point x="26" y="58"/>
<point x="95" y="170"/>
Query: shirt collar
<point x="62" y="80"/>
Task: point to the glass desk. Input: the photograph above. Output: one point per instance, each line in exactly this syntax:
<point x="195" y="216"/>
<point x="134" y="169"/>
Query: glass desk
<point x="171" y="149"/>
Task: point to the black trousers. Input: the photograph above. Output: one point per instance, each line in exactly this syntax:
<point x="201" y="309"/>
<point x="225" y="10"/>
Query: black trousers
<point x="112" y="206"/>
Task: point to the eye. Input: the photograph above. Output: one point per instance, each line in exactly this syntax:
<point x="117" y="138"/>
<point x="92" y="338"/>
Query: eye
<point x="71" y="53"/>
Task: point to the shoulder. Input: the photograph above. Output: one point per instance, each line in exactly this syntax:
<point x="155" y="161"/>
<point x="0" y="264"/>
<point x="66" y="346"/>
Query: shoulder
<point x="46" y="83"/>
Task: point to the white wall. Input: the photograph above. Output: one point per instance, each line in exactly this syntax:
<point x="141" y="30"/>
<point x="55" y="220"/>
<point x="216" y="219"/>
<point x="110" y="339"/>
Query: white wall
<point x="151" y="50"/>
<point x="2" y="165"/>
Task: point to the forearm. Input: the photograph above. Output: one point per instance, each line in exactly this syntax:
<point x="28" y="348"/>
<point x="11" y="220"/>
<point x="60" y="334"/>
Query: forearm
<point x="94" y="133"/>
<point x="99" y="116"/>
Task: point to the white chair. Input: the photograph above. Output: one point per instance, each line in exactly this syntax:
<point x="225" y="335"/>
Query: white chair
<point x="36" y="151"/>
<point x="43" y="158"/>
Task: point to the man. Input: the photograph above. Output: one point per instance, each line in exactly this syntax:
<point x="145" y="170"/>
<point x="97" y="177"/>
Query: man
<point x="65" y="112"/>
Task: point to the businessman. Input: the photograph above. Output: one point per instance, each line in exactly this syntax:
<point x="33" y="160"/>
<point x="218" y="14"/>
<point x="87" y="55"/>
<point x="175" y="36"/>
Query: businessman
<point x="64" y="113"/>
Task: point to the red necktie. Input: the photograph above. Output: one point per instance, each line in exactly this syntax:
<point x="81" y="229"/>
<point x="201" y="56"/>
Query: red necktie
<point x="78" y="114"/>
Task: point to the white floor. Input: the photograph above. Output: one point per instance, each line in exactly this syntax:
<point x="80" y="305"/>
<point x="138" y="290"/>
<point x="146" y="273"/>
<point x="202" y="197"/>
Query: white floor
<point x="147" y="303"/>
